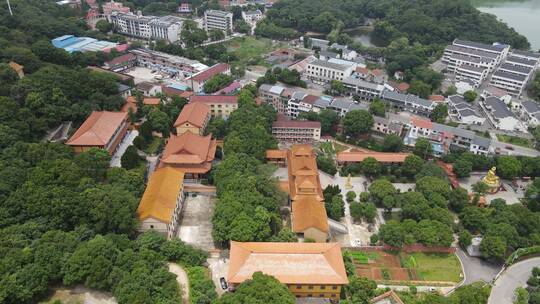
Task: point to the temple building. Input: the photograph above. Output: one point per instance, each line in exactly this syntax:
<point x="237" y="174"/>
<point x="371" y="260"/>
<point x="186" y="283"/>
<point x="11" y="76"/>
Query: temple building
<point x="310" y="270"/>
<point x="191" y="153"/>
<point x="194" y="117"/>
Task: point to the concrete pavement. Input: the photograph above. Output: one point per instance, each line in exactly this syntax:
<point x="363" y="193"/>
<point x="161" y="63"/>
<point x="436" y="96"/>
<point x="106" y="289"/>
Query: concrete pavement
<point x="182" y="279"/>
<point x="476" y="269"/>
<point x="513" y="277"/>
<point x="116" y="160"/>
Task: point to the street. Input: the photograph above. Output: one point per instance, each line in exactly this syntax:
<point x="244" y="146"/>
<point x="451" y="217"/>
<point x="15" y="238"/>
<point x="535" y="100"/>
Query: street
<point x="513" y="277"/>
<point x="476" y="269"/>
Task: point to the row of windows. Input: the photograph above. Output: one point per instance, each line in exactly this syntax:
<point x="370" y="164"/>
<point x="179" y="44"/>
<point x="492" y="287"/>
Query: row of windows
<point x="323" y="287"/>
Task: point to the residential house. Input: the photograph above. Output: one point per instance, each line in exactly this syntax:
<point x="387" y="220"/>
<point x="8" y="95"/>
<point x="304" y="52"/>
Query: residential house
<point x="162" y="202"/>
<point x="300" y="102"/>
<point x="344" y="51"/>
<point x="296" y="131"/>
<point x="273" y="94"/>
<point x="491" y="91"/>
<point x="500" y="116"/>
<point x="309" y="270"/>
<point x="193" y="118"/>
<point x="463" y="111"/>
<point x="191" y="153"/>
<point x="131" y="103"/>
<point x="198" y="80"/>
<point x="122" y="63"/>
<point x="220" y="105"/>
<point x="110" y="7"/>
<point x="252" y="16"/>
<point x="386" y="126"/>
<point x="103" y="130"/>
<point x="148" y="88"/>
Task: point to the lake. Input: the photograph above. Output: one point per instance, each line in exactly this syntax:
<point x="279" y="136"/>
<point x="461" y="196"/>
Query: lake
<point x="522" y="15"/>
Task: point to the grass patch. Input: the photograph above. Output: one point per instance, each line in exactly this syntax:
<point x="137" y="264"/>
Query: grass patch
<point x="250" y="51"/>
<point x="436" y="267"/>
<point x="340" y="147"/>
<point x="394" y="215"/>
<point x="363" y="257"/>
<point x="523" y="142"/>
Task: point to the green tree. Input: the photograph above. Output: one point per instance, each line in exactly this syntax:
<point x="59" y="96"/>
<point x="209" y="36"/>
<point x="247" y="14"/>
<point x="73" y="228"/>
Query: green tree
<point x="420" y="88"/>
<point x="470" y="96"/>
<point x="439" y="113"/>
<point x="217" y="126"/>
<point x="370" y="166"/>
<point x="261" y="289"/>
<point x="104" y="26"/>
<point x="465" y="239"/>
<point x="160" y="121"/>
<point x="351" y="196"/>
<point x="217" y="82"/>
<point x="328" y="119"/>
<point x="392" y="143"/>
<point x="493" y="247"/>
<point x="94" y="162"/>
<point x="412" y="165"/>
<point x="423" y="148"/>
<point x="380" y="189"/>
<point x="337" y="88"/>
<point x="130" y="158"/>
<point x="377" y="107"/>
<point x="462" y="167"/>
<point x="357" y="122"/>
<point x="508" y="167"/>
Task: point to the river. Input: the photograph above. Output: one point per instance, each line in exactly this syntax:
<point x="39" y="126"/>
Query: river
<point x="522" y="15"/>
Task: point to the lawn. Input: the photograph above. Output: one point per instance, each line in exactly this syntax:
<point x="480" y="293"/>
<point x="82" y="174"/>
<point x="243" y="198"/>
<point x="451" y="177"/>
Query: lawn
<point x="515" y="140"/>
<point x="249" y="48"/>
<point x="435" y="267"/>
<point x="364" y="257"/>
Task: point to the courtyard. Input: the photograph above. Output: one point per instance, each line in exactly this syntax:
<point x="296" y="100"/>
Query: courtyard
<point x="509" y="194"/>
<point x="196" y="222"/>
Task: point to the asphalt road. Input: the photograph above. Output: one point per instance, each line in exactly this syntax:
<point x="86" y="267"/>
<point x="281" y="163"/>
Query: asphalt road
<point x="513" y="277"/>
<point x="476" y="269"/>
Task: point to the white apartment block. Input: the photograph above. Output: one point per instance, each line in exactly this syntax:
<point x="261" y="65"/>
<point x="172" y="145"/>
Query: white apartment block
<point x="218" y="20"/>
<point x="148" y="27"/>
<point x="296" y="131"/>
<point x="531" y="57"/>
<point x="513" y="83"/>
<point x="252" y="16"/>
<point x="364" y="89"/>
<point x="321" y="71"/>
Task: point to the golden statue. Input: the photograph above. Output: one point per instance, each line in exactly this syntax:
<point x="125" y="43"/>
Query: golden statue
<point x="348" y="184"/>
<point x="492" y="180"/>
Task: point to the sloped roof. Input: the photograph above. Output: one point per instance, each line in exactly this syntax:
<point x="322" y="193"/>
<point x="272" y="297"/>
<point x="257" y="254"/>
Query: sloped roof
<point x="233" y="99"/>
<point x="296" y="124"/>
<point x="309" y="212"/>
<point x="389" y="297"/>
<point x="274" y="153"/>
<point x="97" y="129"/>
<point x="289" y="263"/>
<point x="189" y="148"/>
<point x="421" y="122"/>
<point x="159" y="198"/>
<point x="121" y="59"/>
<point x="194" y="114"/>
<point x="210" y="72"/>
<point x="379" y="156"/>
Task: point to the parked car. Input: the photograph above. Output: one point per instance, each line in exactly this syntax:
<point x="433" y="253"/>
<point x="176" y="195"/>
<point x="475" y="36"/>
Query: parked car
<point x="223" y="283"/>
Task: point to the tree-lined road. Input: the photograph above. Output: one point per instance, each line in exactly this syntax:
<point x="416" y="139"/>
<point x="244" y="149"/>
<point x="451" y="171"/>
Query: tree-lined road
<point x="513" y="277"/>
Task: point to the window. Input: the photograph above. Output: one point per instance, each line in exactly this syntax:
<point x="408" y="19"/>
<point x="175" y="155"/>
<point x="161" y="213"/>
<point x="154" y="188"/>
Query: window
<point x="298" y="286"/>
<point x="151" y="226"/>
<point x="310" y="287"/>
<point x="323" y="287"/>
<point x="310" y="295"/>
<point x="334" y="287"/>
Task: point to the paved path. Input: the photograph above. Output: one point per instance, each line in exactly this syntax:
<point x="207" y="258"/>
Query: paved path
<point x="126" y="142"/>
<point x="513" y="277"/>
<point x="182" y="279"/>
<point x="476" y="269"/>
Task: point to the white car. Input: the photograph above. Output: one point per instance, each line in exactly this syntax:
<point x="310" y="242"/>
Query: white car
<point x="357" y="242"/>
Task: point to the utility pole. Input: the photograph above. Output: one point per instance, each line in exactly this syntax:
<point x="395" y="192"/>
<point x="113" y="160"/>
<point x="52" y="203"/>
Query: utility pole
<point x="9" y="7"/>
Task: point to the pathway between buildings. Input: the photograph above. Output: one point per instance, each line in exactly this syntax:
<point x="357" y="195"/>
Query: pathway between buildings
<point x="513" y="277"/>
<point x="182" y="279"/>
<point x="476" y="269"/>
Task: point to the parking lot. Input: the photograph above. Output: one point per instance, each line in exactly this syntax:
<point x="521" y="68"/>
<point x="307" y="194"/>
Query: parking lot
<point x="196" y="223"/>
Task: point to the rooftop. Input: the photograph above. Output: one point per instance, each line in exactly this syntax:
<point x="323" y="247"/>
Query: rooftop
<point x="516" y="68"/>
<point x="379" y="156"/>
<point x="97" y="129"/>
<point x="521" y="60"/>
<point x="289" y="263"/>
<point x="210" y="72"/>
<point x="159" y="198"/>
<point x="526" y="54"/>
<point x="188" y="148"/>
<point x="231" y="99"/>
<point x="504" y="74"/>
<point x="330" y="65"/>
<point x="217" y="13"/>
<point x="530" y="106"/>
<point x="309" y="212"/>
<point x="193" y="113"/>
<point x="498" y="107"/>
<point x="488" y="47"/>
<point x="296" y="124"/>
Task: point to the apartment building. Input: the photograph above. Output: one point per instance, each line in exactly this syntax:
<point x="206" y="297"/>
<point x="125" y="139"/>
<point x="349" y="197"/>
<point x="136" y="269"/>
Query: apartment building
<point x="167" y="63"/>
<point x="409" y="102"/>
<point x="198" y="80"/>
<point x="162" y="202"/>
<point x="500" y="116"/>
<point x="529" y="56"/>
<point x="218" y="20"/>
<point x="321" y="71"/>
<point x="309" y="270"/>
<point x="220" y="105"/>
<point x="276" y="96"/>
<point x="252" y="16"/>
<point x="166" y="28"/>
<point x="511" y="77"/>
<point x="102" y="130"/>
<point x="364" y="89"/>
<point x="296" y="131"/>
<point x="300" y="102"/>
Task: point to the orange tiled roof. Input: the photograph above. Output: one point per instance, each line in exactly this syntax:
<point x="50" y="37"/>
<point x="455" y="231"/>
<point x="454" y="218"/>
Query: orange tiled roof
<point x="97" y="129"/>
<point x="194" y="114"/>
<point x="189" y="149"/>
<point x="379" y="156"/>
<point x="289" y="263"/>
<point x="209" y="99"/>
<point x="437" y="98"/>
<point x="403" y="86"/>
<point x="387" y="295"/>
<point x="131" y="103"/>
<point x="309" y="212"/>
<point x="421" y="123"/>
<point x="276" y="154"/>
<point x="210" y="72"/>
<point x="159" y="198"/>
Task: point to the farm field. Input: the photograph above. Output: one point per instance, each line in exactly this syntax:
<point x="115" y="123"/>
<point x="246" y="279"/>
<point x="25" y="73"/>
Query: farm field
<point x="407" y="268"/>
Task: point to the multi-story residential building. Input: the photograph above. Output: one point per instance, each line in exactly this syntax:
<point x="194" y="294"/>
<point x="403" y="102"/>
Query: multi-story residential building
<point x="194" y="118"/>
<point x="296" y="131"/>
<point x="220" y="105"/>
<point x="513" y="83"/>
<point x="147" y="27"/>
<point x="522" y="61"/>
<point x="530" y="56"/>
<point x="364" y="89"/>
<point x="321" y="71"/>
<point x="252" y="16"/>
<point x="218" y="20"/>
<point x="409" y="102"/>
<point x="445" y="138"/>
<point x="463" y="111"/>
<point x="309" y="270"/>
<point x="103" y="130"/>
<point x="344" y="105"/>
<point x="167" y="63"/>
<point x="500" y="116"/>
<point x="386" y="125"/>
<point x="530" y="112"/>
<point x="300" y="102"/>
<point x="273" y="94"/>
<point x="162" y="202"/>
<point x="198" y="80"/>
<point x="501" y="50"/>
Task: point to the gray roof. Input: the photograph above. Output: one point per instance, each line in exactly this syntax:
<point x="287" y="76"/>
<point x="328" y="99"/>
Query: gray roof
<point x="466" y="58"/>
<point x="122" y="88"/>
<point x="526" y="54"/>
<point x="338" y="46"/>
<point x="358" y="106"/>
<point x="516" y="68"/>
<point x="217" y="13"/>
<point x="478" y="45"/>
<point x="456" y="131"/>
<point x="276" y="90"/>
<point x="474" y="52"/>
<point x="328" y="54"/>
<point x="255" y="12"/>
<point x="462" y="105"/>
<point x="320" y="43"/>
<point x="362" y="83"/>
<point x="265" y="87"/>
<point x="298" y="95"/>
<point x="329" y="65"/>
<point x="322" y="102"/>
<point x="521" y="60"/>
<point x="482" y="141"/>
<point x="530" y="106"/>
<point x="468" y="112"/>
<point x="473" y="68"/>
<point x="508" y="75"/>
<point x="406" y="98"/>
<point x="456" y="99"/>
<point x="498" y="107"/>
<point x="341" y="103"/>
